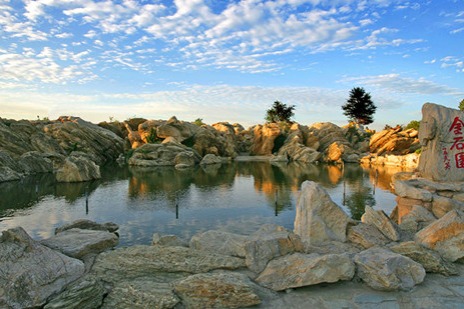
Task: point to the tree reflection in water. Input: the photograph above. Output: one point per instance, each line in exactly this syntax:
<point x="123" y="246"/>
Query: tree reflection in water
<point x="235" y="197"/>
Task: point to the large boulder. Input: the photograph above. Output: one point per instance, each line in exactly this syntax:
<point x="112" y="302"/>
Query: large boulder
<point x="381" y="269"/>
<point x="30" y="272"/>
<point x="179" y="130"/>
<point x="366" y="236"/>
<point x="85" y="293"/>
<point x="85" y="224"/>
<point x="431" y="260"/>
<point x="446" y="235"/>
<point x="217" y="290"/>
<point x="394" y="141"/>
<point x="219" y="241"/>
<point x="318" y="218"/>
<point x="77" y="168"/>
<point x="168" y="153"/>
<point x="264" y="137"/>
<point x="382" y="222"/>
<point x="299" y="152"/>
<point x="269" y="242"/>
<point x="442" y="138"/>
<point x="78" y="243"/>
<point x="297" y="270"/>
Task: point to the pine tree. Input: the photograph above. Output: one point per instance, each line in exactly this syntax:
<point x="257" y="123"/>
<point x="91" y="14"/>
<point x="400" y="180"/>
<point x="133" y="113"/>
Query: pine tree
<point x="359" y="106"/>
<point x="461" y="105"/>
<point x="280" y="112"/>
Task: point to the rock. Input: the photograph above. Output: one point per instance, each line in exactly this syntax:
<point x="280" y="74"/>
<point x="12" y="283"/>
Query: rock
<point x="168" y="240"/>
<point x="9" y="168"/>
<point x="332" y="247"/>
<point x="75" y="134"/>
<point x="78" y="243"/>
<point x="382" y="269"/>
<point x="318" y="218"/>
<point x="30" y="272"/>
<point x="34" y="162"/>
<point x="264" y="137"/>
<point x="219" y="241"/>
<point x="366" y="236"/>
<point x="85" y="224"/>
<point x="417" y="218"/>
<point x="441" y="137"/>
<point x="268" y="242"/>
<point x="185" y="159"/>
<point x="7" y="174"/>
<point x="217" y="290"/>
<point x="179" y="130"/>
<point x="86" y="293"/>
<point x="210" y="159"/>
<point x="382" y="222"/>
<point x="446" y="235"/>
<point x="411" y="189"/>
<point x="77" y="169"/>
<point x="142" y="293"/>
<point x="299" y="152"/>
<point x="442" y="205"/>
<point x="297" y="270"/>
<point x="165" y="154"/>
<point x="140" y="261"/>
<point x="394" y="141"/>
<point x="430" y="260"/>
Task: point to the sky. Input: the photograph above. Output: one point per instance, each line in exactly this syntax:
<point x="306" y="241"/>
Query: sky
<point x="228" y="60"/>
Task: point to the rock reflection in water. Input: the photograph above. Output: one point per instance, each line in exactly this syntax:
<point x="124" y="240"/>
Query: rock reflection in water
<point x="236" y="197"/>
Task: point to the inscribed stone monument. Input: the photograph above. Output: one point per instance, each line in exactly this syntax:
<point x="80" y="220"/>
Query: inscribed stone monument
<point x="441" y="134"/>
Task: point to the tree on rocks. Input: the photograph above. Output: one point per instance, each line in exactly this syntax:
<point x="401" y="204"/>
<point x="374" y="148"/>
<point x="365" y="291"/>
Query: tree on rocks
<point x="461" y="105"/>
<point x="359" y="106"/>
<point x="280" y="112"/>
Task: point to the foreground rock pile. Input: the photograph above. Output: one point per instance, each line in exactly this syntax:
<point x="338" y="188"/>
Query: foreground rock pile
<point x="217" y="269"/>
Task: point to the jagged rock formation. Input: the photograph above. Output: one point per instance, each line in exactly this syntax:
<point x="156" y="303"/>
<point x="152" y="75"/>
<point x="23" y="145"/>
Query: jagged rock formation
<point x="29" y="147"/>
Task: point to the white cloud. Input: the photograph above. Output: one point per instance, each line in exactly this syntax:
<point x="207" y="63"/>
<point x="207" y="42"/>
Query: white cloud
<point x="399" y="84"/>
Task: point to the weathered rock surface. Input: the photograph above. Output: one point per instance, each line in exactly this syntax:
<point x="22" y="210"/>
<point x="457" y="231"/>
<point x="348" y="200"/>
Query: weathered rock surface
<point x="264" y="137"/>
<point x="221" y="242"/>
<point x="297" y="151"/>
<point x="382" y="222"/>
<point x="269" y="242"/>
<point x="318" y="218"/>
<point x="138" y="261"/>
<point x="446" y="235"/>
<point x="210" y="159"/>
<point x="297" y="270"/>
<point x="141" y="293"/>
<point x="86" y="293"/>
<point x="85" y="224"/>
<point x="168" y="240"/>
<point x="394" y="141"/>
<point x="429" y="259"/>
<point x="78" y="243"/>
<point x="366" y="236"/>
<point x="442" y="205"/>
<point x="165" y="154"/>
<point x="217" y="290"/>
<point x="382" y="269"/>
<point x="30" y="272"/>
<point x="76" y="169"/>
<point x="441" y="136"/>
<point x="417" y="218"/>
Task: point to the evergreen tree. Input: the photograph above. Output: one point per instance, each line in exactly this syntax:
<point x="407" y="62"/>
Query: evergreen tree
<point x="280" y="112"/>
<point x="461" y="105"/>
<point x="359" y="106"/>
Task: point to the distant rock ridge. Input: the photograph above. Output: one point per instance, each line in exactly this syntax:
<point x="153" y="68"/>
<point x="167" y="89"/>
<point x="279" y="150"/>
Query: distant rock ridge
<point x="74" y="149"/>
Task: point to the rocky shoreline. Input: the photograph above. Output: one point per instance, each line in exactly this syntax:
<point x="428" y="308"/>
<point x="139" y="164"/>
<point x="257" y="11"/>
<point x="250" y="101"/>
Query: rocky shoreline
<point x="74" y="149"/>
<point x="381" y="261"/>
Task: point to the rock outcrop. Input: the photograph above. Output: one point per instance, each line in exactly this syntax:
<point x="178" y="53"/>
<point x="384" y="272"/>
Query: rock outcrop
<point x="318" y="218"/>
<point x="442" y="139"/>
<point x="30" y="272"/>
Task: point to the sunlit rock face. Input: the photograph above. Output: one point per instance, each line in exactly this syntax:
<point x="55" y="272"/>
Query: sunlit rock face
<point x="264" y="137"/>
<point x="441" y="134"/>
<point x="318" y="218"/>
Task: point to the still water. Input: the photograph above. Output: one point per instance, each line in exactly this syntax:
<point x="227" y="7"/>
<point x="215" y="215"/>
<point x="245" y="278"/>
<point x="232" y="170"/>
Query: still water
<point x="236" y="197"/>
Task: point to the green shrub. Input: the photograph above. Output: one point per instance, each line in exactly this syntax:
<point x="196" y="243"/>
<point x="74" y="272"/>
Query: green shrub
<point x="414" y="124"/>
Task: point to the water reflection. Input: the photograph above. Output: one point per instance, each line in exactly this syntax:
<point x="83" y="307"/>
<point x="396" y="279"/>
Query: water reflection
<point x="236" y="197"/>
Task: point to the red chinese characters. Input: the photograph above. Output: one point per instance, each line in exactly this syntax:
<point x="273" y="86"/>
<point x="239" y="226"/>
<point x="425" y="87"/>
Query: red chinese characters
<point x="457" y="128"/>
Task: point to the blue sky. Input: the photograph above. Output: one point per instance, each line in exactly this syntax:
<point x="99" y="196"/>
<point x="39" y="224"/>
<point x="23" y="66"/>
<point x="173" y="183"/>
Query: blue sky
<point x="228" y="60"/>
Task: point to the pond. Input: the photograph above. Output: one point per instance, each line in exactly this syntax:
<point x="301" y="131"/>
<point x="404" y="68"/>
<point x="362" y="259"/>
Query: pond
<point x="236" y="197"/>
